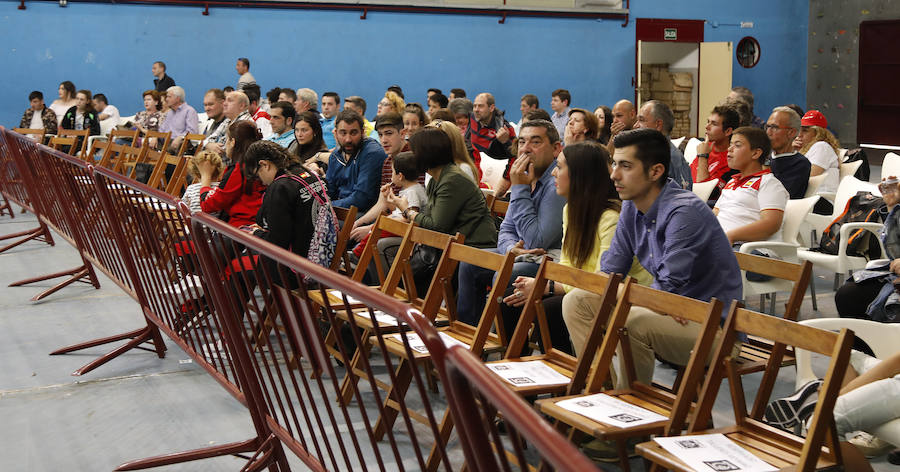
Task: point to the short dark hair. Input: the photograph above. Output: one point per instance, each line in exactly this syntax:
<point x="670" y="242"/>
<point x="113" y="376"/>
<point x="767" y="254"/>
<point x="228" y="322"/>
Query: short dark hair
<point x="458" y="93"/>
<point x="440" y="99"/>
<point x="651" y="148"/>
<point x="289" y="92"/>
<point x="218" y="93"/>
<point x="348" y="116"/>
<point x="334" y="95"/>
<point x="443" y="114"/>
<point x="227" y="89"/>
<point x="432" y="148"/>
<point x="287" y="110"/>
<point x="357" y="101"/>
<point x="552" y="132"/>
<point x="390" y="119"/>
<point x="161" y="64"/>
<point x="252" y="91"/>
<point x="417" y="110"/>
<point x="69" y="87"/>
<point x="435" y="90"/>
<point x="405" y="165"/>
<point x="245" y="61"/>
<point x="729" y="115"/>
<point x="273" y="94"/>
<point x="538" y="114"/>
<point x="531" y="100"/>
<point x="563" y="95"/>
<point x="758" y="139"/>
<point x="268" y="151"/>
<point x="101" y="97"/>
<point x="396" y="89"/>
<point x="35" y="94"/>
<point x="746" y="94"/>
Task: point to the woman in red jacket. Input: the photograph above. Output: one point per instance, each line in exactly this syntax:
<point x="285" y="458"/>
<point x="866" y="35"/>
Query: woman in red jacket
<point x="239" y="195"/>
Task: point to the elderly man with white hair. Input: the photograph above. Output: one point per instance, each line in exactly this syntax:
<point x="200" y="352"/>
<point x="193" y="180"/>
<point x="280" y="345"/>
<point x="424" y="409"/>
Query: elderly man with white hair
<point x="181" y="119"/>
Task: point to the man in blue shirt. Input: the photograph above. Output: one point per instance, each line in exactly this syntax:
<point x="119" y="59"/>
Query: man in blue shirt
<point x="533" y="223"/>
<point x="281" y="117"/>
<point x="330" y="104"/>
<point x="675" y="237"/>
<point x="559" y="103"/>
<point x="181" y="119"/>
<point x="354" y="167"/>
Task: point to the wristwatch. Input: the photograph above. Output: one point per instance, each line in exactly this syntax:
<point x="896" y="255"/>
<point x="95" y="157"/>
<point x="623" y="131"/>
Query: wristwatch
<point x="703" y="154"/>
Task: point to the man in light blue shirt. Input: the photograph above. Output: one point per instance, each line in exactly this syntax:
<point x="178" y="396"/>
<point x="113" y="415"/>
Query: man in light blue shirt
<point x="181" y="119"/>
<point x="281" y="117"/>
<point x="533" y="223"/>
<point x="330" y="104"/>
<point x="559" y="103"/>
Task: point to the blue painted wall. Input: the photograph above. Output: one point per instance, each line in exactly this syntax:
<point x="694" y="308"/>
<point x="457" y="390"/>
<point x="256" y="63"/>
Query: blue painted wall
<point x="110" y="48"/>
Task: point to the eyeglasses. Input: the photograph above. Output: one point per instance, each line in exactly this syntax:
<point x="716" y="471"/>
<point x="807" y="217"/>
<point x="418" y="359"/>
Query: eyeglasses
<point x="776" y="127"/>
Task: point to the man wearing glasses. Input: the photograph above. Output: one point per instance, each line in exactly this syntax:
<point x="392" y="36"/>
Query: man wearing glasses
<point x="788" y="165"/>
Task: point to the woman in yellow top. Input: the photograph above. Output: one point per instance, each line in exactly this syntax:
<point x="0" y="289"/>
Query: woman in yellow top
<point x="589" y="222"/>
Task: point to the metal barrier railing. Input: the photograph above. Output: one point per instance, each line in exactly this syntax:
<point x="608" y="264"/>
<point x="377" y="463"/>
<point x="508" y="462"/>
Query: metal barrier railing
<point x="13" y="187"/>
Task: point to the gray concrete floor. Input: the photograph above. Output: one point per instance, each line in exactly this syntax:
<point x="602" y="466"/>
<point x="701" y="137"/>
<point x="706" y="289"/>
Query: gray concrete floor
<point x="139" y="405"/>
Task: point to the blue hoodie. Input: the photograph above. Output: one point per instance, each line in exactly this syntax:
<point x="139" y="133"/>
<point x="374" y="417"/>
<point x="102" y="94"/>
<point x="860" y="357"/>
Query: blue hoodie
<point x="356" y="182"/>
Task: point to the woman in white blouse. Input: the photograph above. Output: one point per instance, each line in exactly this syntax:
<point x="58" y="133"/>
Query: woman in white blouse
<point x="821" y="148"/>
<point x="65" y="101"/>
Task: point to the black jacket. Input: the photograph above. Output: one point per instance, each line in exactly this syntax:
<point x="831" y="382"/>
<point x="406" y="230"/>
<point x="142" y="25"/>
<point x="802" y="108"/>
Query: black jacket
<point x="91" y="121"/>
<point x="163" y="84"/>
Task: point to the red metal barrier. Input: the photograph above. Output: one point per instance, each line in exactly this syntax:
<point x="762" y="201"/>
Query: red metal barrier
<point x="13" y="187"/>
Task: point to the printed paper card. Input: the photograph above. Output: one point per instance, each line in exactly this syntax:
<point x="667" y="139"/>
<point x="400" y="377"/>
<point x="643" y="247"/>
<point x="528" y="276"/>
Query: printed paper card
<point x="610" y="410"/>
<point x="340" y="296"/>
<point x="416" y="343"/>
<point x="526" y="374"/>
<point x="713" y="453"/>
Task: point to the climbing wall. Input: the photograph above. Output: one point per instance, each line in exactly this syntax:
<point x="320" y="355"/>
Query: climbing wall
<point x="833" y="58"/>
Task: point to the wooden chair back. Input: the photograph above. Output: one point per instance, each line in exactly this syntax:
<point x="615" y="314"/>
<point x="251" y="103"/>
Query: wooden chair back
<point x="186" y="143"/>
<point x="160" y="160"/>
<point x="129" y="135"/>
<point x="125" y="163"/>
<point x="63" y="143"/>
<point x="38" y="133"/>
<point x="341" y="259"/>
<point x="402" y="271"/>
<point x="113" y="153"/>
<point x="499" y="207"/>
<point x="162" y="139"/>
<point x="81" y="136"/>
<point x="98" y="146"/>
<point x="176" y="184"/>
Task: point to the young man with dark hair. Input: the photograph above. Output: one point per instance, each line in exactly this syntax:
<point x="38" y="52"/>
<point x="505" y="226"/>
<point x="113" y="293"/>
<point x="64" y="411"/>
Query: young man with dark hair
<point x="161" y="81"/>
<point x="282" y="116"/>
<point x="331" y="103"/>
<point x="358" y="104"/>
<point x="104" y="110"/>
<point x="437" y="101"/>
<point x="675" y="237"/>
<point x="559" y="103"/>
<point x="354" y="167"/>
<point x="389" y="127"/>
<point x="457" y="93"/>
<point x="286" y="94"/>
<point x="396" y="89"/>
<point x="243" y="69"/>
<point x="433" y="91"/>
<point x="528" y="103"/>
<point x="259" y="116"/>
<point x="38" y="116"/>
<point x="712" y="154"/>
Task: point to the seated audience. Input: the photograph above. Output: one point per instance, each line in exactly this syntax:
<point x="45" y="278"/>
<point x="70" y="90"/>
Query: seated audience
<point x="437" y="101"/>
<point x="752" y="203"/>
<point x="389" y="127"/>
<point x="65" y="101"/>
<point x="624" y="116"/>
<point x="331" y="104"/>
<point x="605" y="118"/>
<point x="82" y="115"/>
<point x="354" y="167"/>
<point x="257" y="113"/>
<point x="235" y="109"/>
<point x="589" y="220"/>
<point x="674" y="235"/>
<point x="307" y="100"/>
<point x="712" y="154"/>
<point x="414" y="118"/>
<point x="582" y="126"/>
<point x="150" y="117"/>
<point x="657" y="115"/>
<point x="104" y="110"/>
<point x="457" y="93"/>
<point x="527" y="103"/>
<point x="462" y="109"/>
<point x="181" y="118"/>
<point x="191" y="194"/>
<point x="358" y="104"/>
<point x="281" y="117"/>
<point x="239" y="195"/>
<point x="311" y="149"/>
<point x="391" y="102"/>
<point x="286" y="94"/>
<point x="788" y="165"/>
<point x="461" y="155"/>
<point x="821" y="148"/>
<point x="871" y="294"/>
<point x="533" y="222"/>
<point x="38" y="116"/>
<point x="214" y="106"/>
<point x="560" y="100"/>
<point x="491" y="134"/>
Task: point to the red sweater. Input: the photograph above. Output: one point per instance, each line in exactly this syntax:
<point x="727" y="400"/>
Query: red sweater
<point x="238" y="208"/>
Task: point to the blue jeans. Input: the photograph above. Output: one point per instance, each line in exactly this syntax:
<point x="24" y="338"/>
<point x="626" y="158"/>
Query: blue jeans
<point x="473" y="288"/>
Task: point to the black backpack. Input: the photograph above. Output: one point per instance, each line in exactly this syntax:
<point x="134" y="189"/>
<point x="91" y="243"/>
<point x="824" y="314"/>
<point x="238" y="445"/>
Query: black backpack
<point x="863" y="207"/>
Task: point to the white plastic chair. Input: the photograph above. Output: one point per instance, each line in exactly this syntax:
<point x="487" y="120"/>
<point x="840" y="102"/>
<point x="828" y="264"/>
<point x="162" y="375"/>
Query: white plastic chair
<point x="704" y="189"/>
<point x="881" y="337"/>
<point x="850" y="168"/>
<point x="842" y="154"/>
<point x="491" y="169"/>
<point x="890" y="166"/>
<point x="841" y="263"/>
<point x="814" y="183"/>
<point x="690" y="151"/>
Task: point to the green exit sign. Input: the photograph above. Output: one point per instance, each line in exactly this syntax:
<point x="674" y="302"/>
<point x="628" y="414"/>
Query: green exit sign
<point x="670" y="34"/>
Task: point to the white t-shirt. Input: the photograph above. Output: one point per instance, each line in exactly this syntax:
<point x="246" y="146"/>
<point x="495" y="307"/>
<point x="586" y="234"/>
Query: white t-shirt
<point x="416" y="197"/>
<point x="37" y="122"/>
<point x="743" y="199"/>
<point x="79" y="121"/>
<point x="113" y="113"/>
<point x="822" y="155"/>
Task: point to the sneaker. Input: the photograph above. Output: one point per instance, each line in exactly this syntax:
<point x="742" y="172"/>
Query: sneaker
<point x="606" y="450"/>
<point x="869" y="445"/>
<point x="785" y="413"/>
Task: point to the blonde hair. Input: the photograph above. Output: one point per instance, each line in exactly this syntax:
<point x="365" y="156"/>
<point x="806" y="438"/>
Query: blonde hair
<point x="457" y="144"/>
<point x="823" y="134"/>
<point x="214" y="158"/>
<point x="396" y="102"/>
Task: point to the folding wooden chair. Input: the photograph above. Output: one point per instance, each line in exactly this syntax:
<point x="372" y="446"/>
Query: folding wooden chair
<point x="341" y="261"/>
<point x="159" y="160"/>
<point x="82" y="137"/>
<point x="178" y="182"/>
<point x="499" y="207"/>
<point x="162" y="139"/>
<point x="186" y="143"/>
<point x="63" y="143"/>
<point x="782" y="450"/>
<point x="479" y="340"/>
<point x="38" y="133"/>
<point x="533" y="315"/>
<point x="127" y="159"/>
<point x="658" y="400"/>
<point x="98" y="146"/>
<point x="112" y="155"/>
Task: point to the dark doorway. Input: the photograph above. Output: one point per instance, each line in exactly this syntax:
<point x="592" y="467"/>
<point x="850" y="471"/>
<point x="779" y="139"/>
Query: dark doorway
<point x="878" y="119"/>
